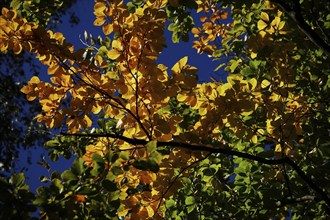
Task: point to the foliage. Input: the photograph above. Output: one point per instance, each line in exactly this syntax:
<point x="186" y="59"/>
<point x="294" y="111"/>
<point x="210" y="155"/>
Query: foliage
<point x="18" y="130"/>
<point x="153" y="143"/>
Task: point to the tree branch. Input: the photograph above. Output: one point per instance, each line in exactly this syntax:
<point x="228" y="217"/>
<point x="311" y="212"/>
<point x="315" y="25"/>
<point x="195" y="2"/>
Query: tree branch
<point x="222" y="150"/>
<point x="295" y="14"/>
<point x="288" y="201"/>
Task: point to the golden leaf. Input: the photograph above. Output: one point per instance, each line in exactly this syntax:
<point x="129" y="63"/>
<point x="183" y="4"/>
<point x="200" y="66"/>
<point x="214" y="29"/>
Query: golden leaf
<point x="261" y="25"/>
<point x="99" y="8"/>
<point x="265" y="83"/>
<point x="276" y="22"/>
<point x="278" y="148"/>
<point x="107" y="28"/>
<point x="34" y="80"/>
<point x="150" y="211"/>
<point x="253" y="55"/>
<point x="179" y="65"/>
<point x="264" y="16"/>
<point x="253" y="83"/>
<point x="113" y="54"/>
<point x="181" y="97"/>
<point x="99" y="21"/>
<point x="96" y="108"/>
<point x="88" y="120"/>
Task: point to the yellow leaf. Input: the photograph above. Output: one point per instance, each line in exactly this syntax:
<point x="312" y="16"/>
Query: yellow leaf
<point x="264" y="16"/>
<point x="262" y="34"/>
<point x="254" y="139"/>
<point x="261" y="131"/>
<point x="223" y="88"/>
<point x="96" y="108"/>
<point x="261" y="25"/>
<point x="150" y="211"/>
<point x="195" y="31"/>
<point x="107" y="28"/>
<point x="246" y="113"/>
<point x="202" y="111"/>
<point x="113" y="54"/>
<point x="112" y="74"/>
<point x="276" y="22"/>
<point x="234" y="78"/>
<point x="181" y="97"/>
<point x="265" y="83"/>
<point x="281" y="25"/>
<point x="123" y="212"/>
<point x="270" y="30"/>
<point x="88" y="120"/>
<point x="253" y="55"/>
<point x="99" y="8"/>
<point x="26" y="89"/>
<point x="34" y="80"/>
<point x="179" y="65"/>
<point x="278" y="148"/>
<point x="117" y="44"/>
<point x="99" y="21"/>
<point x="253" y="83"/>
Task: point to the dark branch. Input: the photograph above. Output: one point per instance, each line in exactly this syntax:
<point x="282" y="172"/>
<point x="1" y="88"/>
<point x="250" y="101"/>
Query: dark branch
<point x="295" y="14"/>
<point x="308" y="180"/>
<point x="288" y="201"/>
<point x="222" y="150"/>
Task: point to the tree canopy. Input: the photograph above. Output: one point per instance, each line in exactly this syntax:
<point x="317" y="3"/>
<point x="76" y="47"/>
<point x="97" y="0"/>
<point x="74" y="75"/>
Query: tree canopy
<point x="152" y="141"/>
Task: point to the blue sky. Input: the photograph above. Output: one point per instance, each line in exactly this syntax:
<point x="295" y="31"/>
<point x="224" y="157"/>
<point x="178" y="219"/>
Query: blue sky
<point x="169" y="57"/>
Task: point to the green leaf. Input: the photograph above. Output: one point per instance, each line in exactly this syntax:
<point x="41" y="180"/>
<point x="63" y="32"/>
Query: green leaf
<point x="190" y="200"/>
<point x="15" y="4"/>
<point x="156" y="156"/>
<point x="78" y="166"/>
<point x="124" y="155"/>
<point x="191" y="208"/>
<point x="67" y="175"/>
<point x="97" y="159"/>
<point x="234" y="65"/>
<point x="53" y="155"/>
<point x="151" y="146"/>
<point x="175" y="37"/>
<point x="52" y="143"/>
<point x="247" y="71"/>
<point x="116" y="170"/>
<point x="217" y="53"/>
<point x="17" y="179"/>
<point x="57" y="186"/>
<point x="172" y="27"/>
<point x="55" y="175"/>
<point x="170" y="203"/>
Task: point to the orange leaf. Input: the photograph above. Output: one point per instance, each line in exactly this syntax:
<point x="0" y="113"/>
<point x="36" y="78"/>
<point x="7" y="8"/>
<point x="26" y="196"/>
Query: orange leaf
<point x="79" y="198"/>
